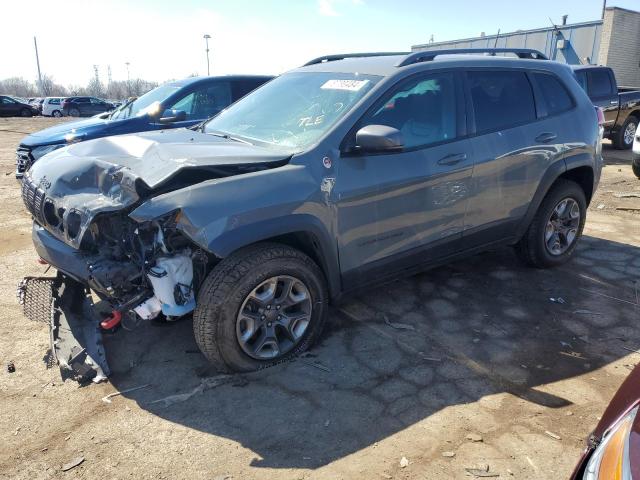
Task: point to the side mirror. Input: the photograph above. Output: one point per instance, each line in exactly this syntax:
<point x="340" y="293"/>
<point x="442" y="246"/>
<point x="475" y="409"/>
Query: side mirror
<point x="172" y="116"/>
<point x="379" y="138"/>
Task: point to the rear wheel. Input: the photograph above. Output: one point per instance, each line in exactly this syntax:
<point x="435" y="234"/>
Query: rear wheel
<point x="623" y="139"/>
<point x="25" y="112"/>
<point x="556" y="227"/>
<point x="636" y="169"/>
<point x="74" y="112"/>
<point x="260" y="306"/>
<point x="56" y="113"/>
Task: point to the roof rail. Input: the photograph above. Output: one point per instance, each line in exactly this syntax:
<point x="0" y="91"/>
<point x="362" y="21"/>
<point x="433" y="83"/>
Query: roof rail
<point x="331" y="58"/>
<point x="429" y="55"/>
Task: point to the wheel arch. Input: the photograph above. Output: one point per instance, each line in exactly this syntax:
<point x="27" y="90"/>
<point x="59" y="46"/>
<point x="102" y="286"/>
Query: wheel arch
<point x="303" y="232"/>
<point x="577" y="169"/>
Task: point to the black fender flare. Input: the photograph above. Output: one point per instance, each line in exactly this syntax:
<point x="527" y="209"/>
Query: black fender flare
<point x="262" y="230"/>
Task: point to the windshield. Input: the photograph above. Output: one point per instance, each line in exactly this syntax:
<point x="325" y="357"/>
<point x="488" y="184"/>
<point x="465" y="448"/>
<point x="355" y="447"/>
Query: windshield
<point x="294" y="110"/>
<point x="147" y="103"/>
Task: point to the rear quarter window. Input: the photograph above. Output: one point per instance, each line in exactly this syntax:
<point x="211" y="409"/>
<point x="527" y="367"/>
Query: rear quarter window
<point x="501" y="99"/>
<point x="599" y="83"/>
<point x="554" y="94"/>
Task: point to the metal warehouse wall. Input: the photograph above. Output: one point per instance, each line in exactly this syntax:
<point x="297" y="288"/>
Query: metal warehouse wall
<point x="620" y="48"/>
<point x="577" y="43"/>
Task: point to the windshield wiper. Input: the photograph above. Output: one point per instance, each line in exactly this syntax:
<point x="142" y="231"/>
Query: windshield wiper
<point x="123" y="106"/>
<point x="227" y="136"/>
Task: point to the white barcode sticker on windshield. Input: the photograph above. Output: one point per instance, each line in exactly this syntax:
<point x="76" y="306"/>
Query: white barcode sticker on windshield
<point x="351" y="85"/>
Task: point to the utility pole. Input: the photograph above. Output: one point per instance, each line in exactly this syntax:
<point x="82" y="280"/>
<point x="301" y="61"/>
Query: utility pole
<point x="604" y="7"/>
<point x="206" y="39"/>
<point x="128" y="80"/>
<point x="35" y="43"/>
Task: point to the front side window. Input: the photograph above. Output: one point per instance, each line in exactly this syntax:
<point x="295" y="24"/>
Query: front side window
<point x="501" y="99"/>
<point x="554" y="93"/>
<point x="423" y="110"/>
<point x="600" y="84"/>
<point x="204" y="102"/>
<point x="293" y="111"/>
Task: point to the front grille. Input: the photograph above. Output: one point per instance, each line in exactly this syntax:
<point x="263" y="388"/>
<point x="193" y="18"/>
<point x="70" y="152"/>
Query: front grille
<point x="23" y="160"/>
<point x="33" y="198"/>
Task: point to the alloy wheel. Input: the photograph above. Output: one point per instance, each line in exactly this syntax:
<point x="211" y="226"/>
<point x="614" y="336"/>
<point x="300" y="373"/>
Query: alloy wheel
<point x="629" y="133"/>
<point x="562" y="227"/>
<point x="274" y="317"/>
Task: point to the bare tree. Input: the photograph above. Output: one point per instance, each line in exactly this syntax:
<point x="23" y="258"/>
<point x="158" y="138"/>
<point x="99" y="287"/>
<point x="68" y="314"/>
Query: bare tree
<point x="51" y="88"/>
<point x="18" y="86"/>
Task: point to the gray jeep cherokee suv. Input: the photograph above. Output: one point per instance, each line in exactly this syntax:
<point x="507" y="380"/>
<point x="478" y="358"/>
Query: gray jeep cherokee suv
<point x="341" y="174"/>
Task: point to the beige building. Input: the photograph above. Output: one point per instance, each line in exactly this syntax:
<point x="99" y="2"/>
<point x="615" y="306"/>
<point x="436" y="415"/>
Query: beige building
<point x="613" y="41"/>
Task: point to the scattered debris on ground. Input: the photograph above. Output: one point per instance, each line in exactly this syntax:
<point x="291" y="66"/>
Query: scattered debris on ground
<point x="107" y="398"/>
<point x="11" y="367"/>
<point x="474" y="437"/>
<point x="404" y="462"/>
<point x="72" y="464"/>
<point x="552" y="435"/>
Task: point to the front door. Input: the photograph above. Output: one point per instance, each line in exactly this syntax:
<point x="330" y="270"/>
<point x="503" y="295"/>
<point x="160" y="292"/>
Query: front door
<point x="392" y="206"/>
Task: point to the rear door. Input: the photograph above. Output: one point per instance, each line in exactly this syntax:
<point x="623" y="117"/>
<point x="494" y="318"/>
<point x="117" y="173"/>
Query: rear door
<point x="393" y="206"/>
<point x="514" y="141"/>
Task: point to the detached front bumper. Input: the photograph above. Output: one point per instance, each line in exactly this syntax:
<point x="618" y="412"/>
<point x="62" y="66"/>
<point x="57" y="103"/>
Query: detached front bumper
<point x="74" y="327"/>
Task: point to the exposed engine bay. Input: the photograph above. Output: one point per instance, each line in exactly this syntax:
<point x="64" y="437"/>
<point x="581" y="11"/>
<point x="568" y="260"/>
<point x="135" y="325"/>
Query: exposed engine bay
<point x="81" y="204"/>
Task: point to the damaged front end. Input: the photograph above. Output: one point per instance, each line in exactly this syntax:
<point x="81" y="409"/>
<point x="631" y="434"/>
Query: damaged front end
<point x="81" y="198"/>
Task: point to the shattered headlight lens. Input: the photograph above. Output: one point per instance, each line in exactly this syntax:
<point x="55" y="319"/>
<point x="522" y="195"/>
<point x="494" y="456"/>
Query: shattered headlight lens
<point x="38" y="152"/>
<point x="610" y="461"/>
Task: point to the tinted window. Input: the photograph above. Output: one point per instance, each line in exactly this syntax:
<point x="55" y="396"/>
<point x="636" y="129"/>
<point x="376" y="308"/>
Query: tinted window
<point x="241" y="87"/>
<point x="501" y="99"/>
<point x="424" y="110"/>
<point x="554" y="94"/>
<point x="582" y="79"/>
<point x="599" y="83"/>
<point x="206" y="101"/>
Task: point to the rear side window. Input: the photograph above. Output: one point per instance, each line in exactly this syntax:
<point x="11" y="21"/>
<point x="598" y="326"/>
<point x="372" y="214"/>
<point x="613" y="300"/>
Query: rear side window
<point x="241" y="87"/>
<point x="554" y="93"/>
<point x="423" y="109"/>
<point x="501" y="99"/>
<point x="600" y="83"/>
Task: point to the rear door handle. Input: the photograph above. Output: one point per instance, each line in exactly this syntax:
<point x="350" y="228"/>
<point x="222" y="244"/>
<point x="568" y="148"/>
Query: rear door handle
<point x="614" y="102"/>
<point x="452" y="159"/>
<point x="546" y="137"/>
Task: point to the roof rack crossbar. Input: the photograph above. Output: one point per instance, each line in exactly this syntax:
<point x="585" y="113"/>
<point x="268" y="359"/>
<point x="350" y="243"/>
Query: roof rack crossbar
<point x="331" y="58"/>
<point x="429" y="55"/>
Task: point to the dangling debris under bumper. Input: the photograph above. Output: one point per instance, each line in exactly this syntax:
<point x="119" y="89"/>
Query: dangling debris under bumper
<point x="74" y="326"/>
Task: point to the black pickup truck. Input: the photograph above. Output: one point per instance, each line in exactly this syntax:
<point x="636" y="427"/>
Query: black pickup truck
<point x="621" y="105"/>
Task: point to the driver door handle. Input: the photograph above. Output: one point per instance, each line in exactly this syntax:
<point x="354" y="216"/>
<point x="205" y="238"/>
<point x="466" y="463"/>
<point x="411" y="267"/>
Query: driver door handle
<point x="452" y="159"/>
<point x="546" y="137"/>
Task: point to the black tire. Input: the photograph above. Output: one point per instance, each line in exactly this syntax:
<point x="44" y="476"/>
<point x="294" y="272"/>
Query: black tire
<point x="636" y="169"/>
<point x="230" y="283"/>
<point x="25" y="112"/>
<point x="532" y="248"/>
<point x="622" y="141"/>
<point x="56" y="113"/>
<point x="74" y="112"/>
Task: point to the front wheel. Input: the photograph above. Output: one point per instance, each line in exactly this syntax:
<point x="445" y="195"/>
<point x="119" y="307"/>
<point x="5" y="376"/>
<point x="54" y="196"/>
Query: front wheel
<point x="25" y="112"/>
<point x="556" y="227"/>
<point x="74" y="112"/>
<point x="636" y="169"/>
<point x="260" y="306"/>
<point x="623" y="139"/>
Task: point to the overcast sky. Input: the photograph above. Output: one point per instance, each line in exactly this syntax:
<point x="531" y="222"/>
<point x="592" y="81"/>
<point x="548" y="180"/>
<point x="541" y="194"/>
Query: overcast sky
<point x="163" y="39"/>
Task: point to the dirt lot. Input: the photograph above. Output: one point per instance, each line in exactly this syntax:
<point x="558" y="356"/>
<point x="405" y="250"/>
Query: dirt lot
<point x="487" y="354"/>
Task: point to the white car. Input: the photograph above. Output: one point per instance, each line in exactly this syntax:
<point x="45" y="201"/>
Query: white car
<point x="52" y="106"/>
<point x="635" y="156"/>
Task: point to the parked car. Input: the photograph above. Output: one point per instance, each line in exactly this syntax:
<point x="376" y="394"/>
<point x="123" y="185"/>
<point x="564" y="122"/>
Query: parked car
<point x="635" y="155"/>
<point x="343" y="174"/>
<point x="613" y="450"/>
<point x="52" y="107"/>
<point x="84" y="106"/>
<point x="37" y="104"/>
<point x="12" y="107"/>
<point x="621" y="106"/>
<point x="172" y="105"/>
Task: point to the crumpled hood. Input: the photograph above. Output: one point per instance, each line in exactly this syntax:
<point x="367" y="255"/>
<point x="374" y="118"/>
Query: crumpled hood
<point x="56" y="134"/>
<point x="73" y="184"/>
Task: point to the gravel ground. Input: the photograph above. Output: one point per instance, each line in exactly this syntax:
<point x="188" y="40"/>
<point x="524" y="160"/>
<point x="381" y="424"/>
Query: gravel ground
<point x="485" y="365"/>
